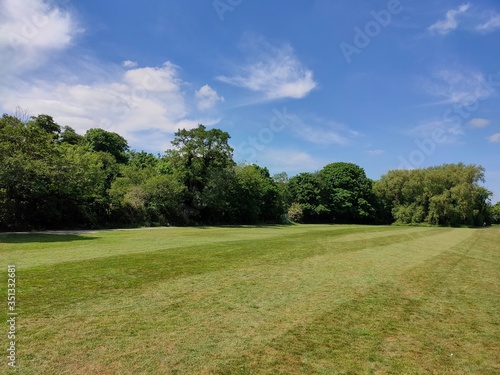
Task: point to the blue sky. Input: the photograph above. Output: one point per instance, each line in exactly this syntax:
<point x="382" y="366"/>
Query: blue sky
<point x="298" y="84"/>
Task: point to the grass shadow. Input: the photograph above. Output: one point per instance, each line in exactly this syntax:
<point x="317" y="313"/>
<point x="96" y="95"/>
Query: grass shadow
<point x="39" y="237"/>
<point x="242" y="226"/>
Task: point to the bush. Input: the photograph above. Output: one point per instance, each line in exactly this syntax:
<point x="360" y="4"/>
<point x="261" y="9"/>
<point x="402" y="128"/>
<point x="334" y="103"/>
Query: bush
<point x="295" y="213"/>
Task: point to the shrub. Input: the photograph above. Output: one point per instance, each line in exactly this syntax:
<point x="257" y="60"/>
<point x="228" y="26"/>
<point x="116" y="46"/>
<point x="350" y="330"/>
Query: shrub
<point x="295" y="213"/>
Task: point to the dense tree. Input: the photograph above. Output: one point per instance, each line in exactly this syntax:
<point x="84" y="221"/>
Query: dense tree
<point x="347" y="193"/>
<point x="446" y="195"/>
<point x="142" y="196"/>
<point x="112" y="143"/>
<point x="69" y="135"/>
<point x="52" y="177"/>
<point x="495" y="213"/>
<point x="27" y="157"/>
<point x="282" y="182"/>
<point x="81" y="186"/>
<point x="305" y="190"/>
<point x="295" y="213"/>
<point x="258" y="195"/>
<point x="43" y="184"/>
<point x="46" y="123"/>
<point x="199" y="157"/>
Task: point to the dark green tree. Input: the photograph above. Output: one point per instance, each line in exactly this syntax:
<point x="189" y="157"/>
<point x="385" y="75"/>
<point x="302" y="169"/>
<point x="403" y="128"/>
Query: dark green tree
<point x="495" y="213"/>
<point x="46" y="123"/>
<point x="347" y="193"/>
<point x="69" y="135"/>
<point x="305" y="189"/>
<point x="199" y="157"/>
<point x="258" y="198"/>
<point x="112" y="143"/>
<point x="445" y="195"/>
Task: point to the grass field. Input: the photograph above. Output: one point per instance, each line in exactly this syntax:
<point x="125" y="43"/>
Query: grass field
<point x="313" y="299"/>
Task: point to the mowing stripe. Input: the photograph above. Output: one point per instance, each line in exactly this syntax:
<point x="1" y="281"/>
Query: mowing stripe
<point x="191" y="304"/>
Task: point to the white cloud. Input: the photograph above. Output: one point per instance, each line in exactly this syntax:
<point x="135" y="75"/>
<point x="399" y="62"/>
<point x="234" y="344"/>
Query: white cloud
<point x="320" y="131"/>
<point x="30" y="31"/>
<point x="495" y="138"/>
<point x="290" y="160"/>
<point x="490" y="25"/>
<point x="458" y="86"/>
<point x="443" y="131"/>
<point x="207" y="97"/>
<point x="129" y="64"/>
<point x="450" y="22"/>
<point x="274" y="72"/>
<point x="149" y="99"/>
<point x="479" y="122"/>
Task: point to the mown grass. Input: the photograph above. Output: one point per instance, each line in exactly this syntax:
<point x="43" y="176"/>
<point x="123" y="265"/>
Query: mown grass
<point x="258" y="300"/>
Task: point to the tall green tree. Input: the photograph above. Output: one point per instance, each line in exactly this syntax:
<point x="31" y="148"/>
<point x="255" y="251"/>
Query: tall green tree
<point x="101" y="140"/>
<point x="495" y="213"/>
<point x="258" y="195"/>
<point x="46" y="123"/>
<point x="450" y="194"/>
<point x="347" y="193"/>
<point x="199" y="157"/>
<point x="305" y="190"/>
<point x="69" y="135"/>
<point x="44" y="184"/>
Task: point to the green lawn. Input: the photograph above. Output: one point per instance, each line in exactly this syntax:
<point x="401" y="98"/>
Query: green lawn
<point x="315" y="299"/>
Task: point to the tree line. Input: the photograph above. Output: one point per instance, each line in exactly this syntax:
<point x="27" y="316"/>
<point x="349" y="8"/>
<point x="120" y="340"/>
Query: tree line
<point x="52" y="177"/>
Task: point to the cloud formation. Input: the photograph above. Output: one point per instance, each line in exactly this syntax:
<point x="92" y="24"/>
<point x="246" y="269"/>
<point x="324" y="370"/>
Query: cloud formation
<point x="495" y="138"/>
<point x="449" y="131"/>
<point x="207" y="97"/>
<point x="291" y="160"/>
<point x="149" y="99"/>
<point x="450" y="21"/>
<point x="479" y="122"/>
<point x="129" y="64"/>
<point x="274" y="72"/>
<point x="492" y="24"/>
<point x="30" y="30"/>
<point x="458" y="86"/>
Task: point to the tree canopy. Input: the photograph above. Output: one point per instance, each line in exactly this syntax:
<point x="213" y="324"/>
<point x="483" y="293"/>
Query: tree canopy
<point x="53" y="177"/>
<point x="450" y="194"/>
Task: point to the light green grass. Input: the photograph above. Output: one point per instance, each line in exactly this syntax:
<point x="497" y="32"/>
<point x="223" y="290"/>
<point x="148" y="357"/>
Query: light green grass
<point x="257" y="300"/>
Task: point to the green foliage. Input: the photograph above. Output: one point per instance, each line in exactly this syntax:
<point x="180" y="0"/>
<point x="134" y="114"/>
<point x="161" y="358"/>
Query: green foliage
<point x="305" y="189"/>
<point x="46" y="123"/>
<point x="141" y="196"/>
<point x="340" y="192"/>
<point x="69" y="135"/>
<point x="198" y="157"/>
<point x="282" y="182"/>
<point x="52" y="177"/>
<point x="112" y="143"/>
<point x="446" y="195"/>
<point x="495" y="213"/>
<point x="258" y="198"/>
<point x="347" y="192"/>
<point x="44" y="184"/>
<point x="295" y="213"/>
